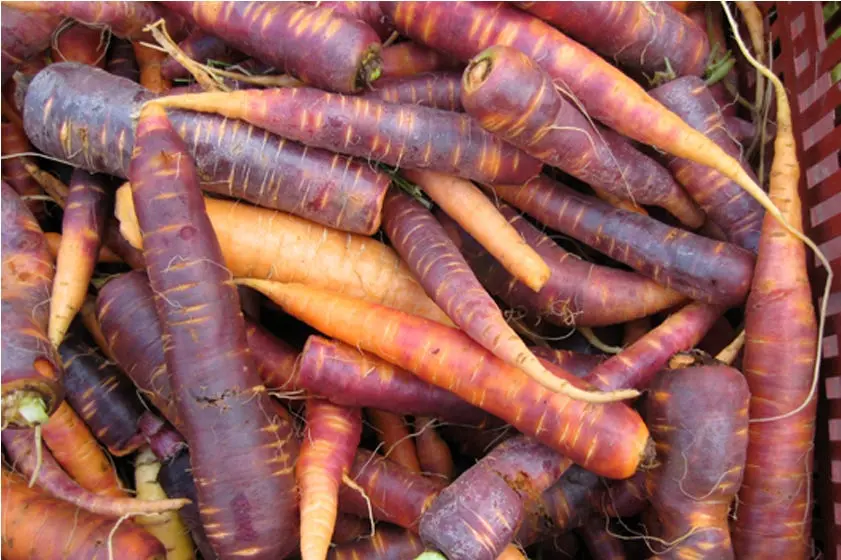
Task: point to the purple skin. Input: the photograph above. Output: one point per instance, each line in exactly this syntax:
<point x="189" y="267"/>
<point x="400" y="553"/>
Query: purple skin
<point x="235" y="160"/>
<point x="369" y="12"/>
<point x="24" y="34"/>
<point x="121" y="60"/>
<point x="575" y="363"/>
<point x="320" y="46"/>
<point x="201" y="47"/>
<point x="388" y="543"/>
<point x="599" y="542"/>
<point x="700" y="268"/>
<point x="737" y="213"/>
<point x="439" y="90"/>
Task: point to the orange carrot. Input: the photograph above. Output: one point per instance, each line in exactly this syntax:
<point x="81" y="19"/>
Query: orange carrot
<point x="397" y="442"/>
<point x="149" y="61"/>
<point x="105" y="256"/>
<point x="433" y="452"/>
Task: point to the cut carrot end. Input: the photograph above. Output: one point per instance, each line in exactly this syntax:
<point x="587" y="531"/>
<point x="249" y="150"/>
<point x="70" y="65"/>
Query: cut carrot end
<point x="32" y="408"/>
<point x="477" y="72"/>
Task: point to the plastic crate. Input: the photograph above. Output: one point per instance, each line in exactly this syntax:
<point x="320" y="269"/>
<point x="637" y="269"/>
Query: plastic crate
<point x="804" y="58"/>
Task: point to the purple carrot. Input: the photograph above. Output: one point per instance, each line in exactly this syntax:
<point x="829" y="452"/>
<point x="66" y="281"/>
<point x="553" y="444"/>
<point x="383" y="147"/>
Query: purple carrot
<point x="201" y="47"/>
<point x="388" y="543"/>
<point x="369" y="12"/>
<point x="410" y="59"/>
<point x="121" y="60"/>
<point x="440" y="90"/>
<point x="24" y="34"/>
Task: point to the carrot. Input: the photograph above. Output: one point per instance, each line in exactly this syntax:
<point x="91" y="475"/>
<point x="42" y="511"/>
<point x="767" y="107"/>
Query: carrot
<point x="13" y="140"/>
<point x="317" y="45"/>
<point x="235" y="160"/>
<point x="31" y="370"/>
<point x="267" y="244"/>
<point x="275" y="359"/>
<point x="149" y="62"/>
<point x="167" y="527"/>
<point x="598" y="539"/>
<point x="105" y="256"/>
<point x="80" y="43"/>
<point x="433" y="453"/>
<point x="121" y="60"/>
<point x="349" y="528"/>
<point x="35" y="525"/>
<point x="650" y="38"/>
<point x="398" y="135"/>
<point x="411" y="59"/>
<point x="727" y="205"/>
<point x="24" y="35"/>
<point x="699" y="421"/>
<point x="578" y="293"/>
<point x="440" y="90"/>
<point x="740" y="130"/>
<point x="510" y="95"/>
<point x="576" y="363"/>
<point x="695" y="266"/>
<point x="369" y="12"/>
<point x="622" y="498"/>
<point x="247" y="506"/>
<point x="388" y="543"/>
<point x="327" y="452"/>
<point x="395" y="438"/>
<point x="84" y="221"/>
<point x="493" y="385"/>
<point x="201" y="47"/>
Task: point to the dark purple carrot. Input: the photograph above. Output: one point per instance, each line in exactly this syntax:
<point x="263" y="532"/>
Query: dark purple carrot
<point x="406" y="136"/>
<point x="700" y="268"/>
<point x="349" y="528"/>
<point x="24" y="35"/>
<point x="577" y="293"/>
<point x="737" y="213"/>
<point x="275" y="359"/>
<point x="650" y="38"/>
<point x="409" y="59"/>
<point x="600" y="542"/>
<point x="31" y="369"/>
<point x="318" y="45"/>
<point x="576" y="363"/>
<point x="13" y="140"/>
<point x="201" y="47"/>
<point x="369" y="12"/>
<point x="742" y="131"/>
<point x="114" y="240"/>
<point x="439" y="90"/>
<point x="387" y="543"/>
<point x="247" y="506"/>
<point x="121" y="60"/>
<point x="90" y="124"/>
<point x="510" y="95"/>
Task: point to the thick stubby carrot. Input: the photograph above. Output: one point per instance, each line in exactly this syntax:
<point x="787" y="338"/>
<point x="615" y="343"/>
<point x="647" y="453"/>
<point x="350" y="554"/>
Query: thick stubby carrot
<point x="80" y="43"/>
<point x="13" y="140"/>
<point x="369" y="12"/>
<point x="410" y="59"/>
<point x="201" y="47"/>
<point x="248" y="506"/>
<point x="510" y="95"/>
<point x="642" y="37"/>
<point x="105" y="255"/>
<point x="318" y="45"/>
<point x="597" y="538"/>
<point x="350" y="377"/>
<point x="610" y="438"/>
<point x="24" y="35"/>
<point x="149" y="62"/>
<point x="327" y="452"/>
<point x="262" y="243"/>
<point x="395" y="438"/>
<point x="388" y="543"/>
<point x="83" y="225"/>
<point x="700" y="268"/>
<point x="726" y="204"/>
<point x="101" y="394"/>
<point x="31" y="372"/>
<point x="90" y="125"/>
<point x="433" y="452"/>
<point x="578" y="292"/>
<point x="699" y="421"/>
<point x="36" y="525"/>
<point x="405" y="136"/>
<point x="440" y="90"/>
<point x="121" y="60"/>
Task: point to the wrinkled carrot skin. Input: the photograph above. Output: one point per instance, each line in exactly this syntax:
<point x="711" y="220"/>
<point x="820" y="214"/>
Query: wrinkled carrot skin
<point x="737" y="213"/>
<point x="248" y="507"/>
<point x="510" y="95"/>
<point x="318" y="45"/>
<point x="599" y="542"/>
<point x="610" y="438"/>
<point x="24" y="35"/>
<point x="577" y="293"/>
<point x="700" y="268"/>
<point x="101" y="394"/>
<point x="13" y="140"/>
<point x="637" y="36"/>
<point x="699" y="422"/>
<point x="395" y="437"/>
<point x="397" y="495"/>
<point x="369" y="12"/>
<point x="80" y="43"/>
<point x="31" y="369"/>
<point x="235" y="160"/>
<point x="327" y="452"/>
<point x="201" y="47"/>
<point x="35" y="525"/>
<point x="434" y="454"/>
<point x="388" y="543"/>
<point x="436" y="140"/>
<point x="410" y="59"/>
<point x="106" y="255"/>
<point x="350" y="377"/>
<point x="149" y="62"/>
<point x="121" y="60"/>
<point x="439" y="90"/>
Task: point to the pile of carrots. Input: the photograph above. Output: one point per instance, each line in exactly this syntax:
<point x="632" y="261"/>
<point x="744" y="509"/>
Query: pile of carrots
<point x="398" y="280"/>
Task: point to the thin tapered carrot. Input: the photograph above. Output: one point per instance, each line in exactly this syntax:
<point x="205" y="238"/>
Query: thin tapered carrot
<point x="105" y="256"/>
<point x="396" y="440"/>
<point x="262" y="243"/>
<point x="433" y="452"/>
<point x="611" y="439"/>
<point x="149" y="62"/>
<point x="89" y="319"/>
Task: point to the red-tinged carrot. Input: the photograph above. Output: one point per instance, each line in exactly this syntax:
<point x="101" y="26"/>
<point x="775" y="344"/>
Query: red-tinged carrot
<point x="349" y="528"/>
<point x="262" y="243"/>
<point x="726" y="204"/>
<point x="350" y="377"/>
<point x="13" y="140"/>
<point x="36" y="525"/>
<point x="742" y="131"/>
<point x="327" y="452"/>
<point x="395" y="438"/>
<point x="318" y="45"/>
<point x="276" y="360"/>
<point x="699" y="421"/>
<point x="576" y="363"/>
<point x="578" y="292"/>
<point x="105" y="256"/>
<point x="635" y="330"/>
<point x="621" y="498"/>
<point x="410" y="59"/>
<point x="510" y="95"/>
<point x="405" y="136"/>
<point x="85" y="217"/>
<point x="433" y="452"/>
<point x="600" y="542"/>
<point x="80" y="43"/>
<point x="649" y="38"/>
<point x="90" y="125"/>
<point x="149" y="63"/>
<point x="24" y="35"/>
<point x="248" y="507"/>
<point x="387" y="543"/>
<point x="369" y="12"/>
<point x="121" y="60"/>
<point x="700" y="268"/>
<point x="440" y="90"/>
<point x="201" y="47"/>
<point x="31" y="371"/>
<point x="610" y="438"/>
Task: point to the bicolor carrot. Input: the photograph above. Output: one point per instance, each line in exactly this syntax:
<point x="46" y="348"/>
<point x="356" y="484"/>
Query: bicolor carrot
<point x="105" y="256"/>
